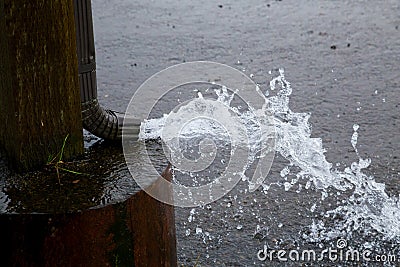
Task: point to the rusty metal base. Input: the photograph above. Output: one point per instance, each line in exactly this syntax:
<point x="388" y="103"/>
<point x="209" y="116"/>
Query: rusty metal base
<point x="137" y="232"/>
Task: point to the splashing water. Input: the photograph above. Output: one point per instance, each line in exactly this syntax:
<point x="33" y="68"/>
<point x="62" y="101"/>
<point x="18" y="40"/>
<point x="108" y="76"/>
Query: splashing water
<point x="369" y="206"/>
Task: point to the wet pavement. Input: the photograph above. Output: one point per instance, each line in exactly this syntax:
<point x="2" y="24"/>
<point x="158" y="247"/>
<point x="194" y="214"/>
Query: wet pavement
<point x="340" y="56"/>
<point x="342" y="59"/>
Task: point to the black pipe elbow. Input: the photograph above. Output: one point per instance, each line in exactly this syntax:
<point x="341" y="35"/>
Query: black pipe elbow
<point x="101" y="122"/>
<point x="108" y="124"/>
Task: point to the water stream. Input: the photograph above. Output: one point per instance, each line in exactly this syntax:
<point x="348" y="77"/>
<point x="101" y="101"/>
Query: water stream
<point x="367" y="208"/>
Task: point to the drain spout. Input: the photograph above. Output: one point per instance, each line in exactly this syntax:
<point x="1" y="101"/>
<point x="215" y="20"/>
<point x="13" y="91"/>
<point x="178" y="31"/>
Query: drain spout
<point x="103" y="123"/>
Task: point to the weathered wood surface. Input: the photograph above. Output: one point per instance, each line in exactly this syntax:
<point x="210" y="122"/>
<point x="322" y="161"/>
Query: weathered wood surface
<point x="39" y="88"/>
<point x="137" y="232"/>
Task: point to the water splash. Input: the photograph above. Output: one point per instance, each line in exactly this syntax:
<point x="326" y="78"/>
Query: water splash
<point x="368" y="207"/>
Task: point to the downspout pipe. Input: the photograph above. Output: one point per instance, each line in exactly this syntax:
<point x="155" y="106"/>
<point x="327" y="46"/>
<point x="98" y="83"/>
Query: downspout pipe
<point x="103" y="123"/>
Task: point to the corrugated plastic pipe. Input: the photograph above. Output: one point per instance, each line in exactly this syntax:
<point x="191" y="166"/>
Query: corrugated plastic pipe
<point x="106" y="124"/>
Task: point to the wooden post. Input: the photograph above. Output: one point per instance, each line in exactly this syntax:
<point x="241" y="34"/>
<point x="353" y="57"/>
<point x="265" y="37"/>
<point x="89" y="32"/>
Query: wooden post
<point x="39" y="89"/>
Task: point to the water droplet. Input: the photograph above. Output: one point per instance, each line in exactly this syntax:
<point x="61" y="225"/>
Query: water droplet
<point x="287" y="186"/>
<point x="312" y="209"/>
<point x="285" y="171"/>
